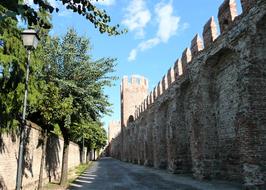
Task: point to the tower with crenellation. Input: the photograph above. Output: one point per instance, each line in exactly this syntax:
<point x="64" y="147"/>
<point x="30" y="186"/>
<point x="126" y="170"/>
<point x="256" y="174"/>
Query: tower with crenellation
<point x="133" y="92"/>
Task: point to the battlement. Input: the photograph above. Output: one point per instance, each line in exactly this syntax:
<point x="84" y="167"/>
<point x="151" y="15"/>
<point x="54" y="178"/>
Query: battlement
<point x="227" y="15"/>
<point x="210" y="101"/>
<point x="209" y="32"/>
<point x="196" y="45"/>
<point x="134" y="80"/>
<point x="133" y="92"/>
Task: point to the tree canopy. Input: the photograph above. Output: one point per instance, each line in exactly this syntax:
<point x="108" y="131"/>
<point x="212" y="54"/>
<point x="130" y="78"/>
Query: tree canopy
<point x="79" y="79"/>
<point x="93" y="135"/>
<point x="73" y="97"/>
<point x="12" y="59"/>
<point x="98" y="17"/>
<point x="65" y="87"/>
<point x="12" y="72"/>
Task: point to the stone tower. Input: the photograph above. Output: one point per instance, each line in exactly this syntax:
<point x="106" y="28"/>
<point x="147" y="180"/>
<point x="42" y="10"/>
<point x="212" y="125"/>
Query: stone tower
<point x="133" y="93"/>
<point x="114" y="128"/>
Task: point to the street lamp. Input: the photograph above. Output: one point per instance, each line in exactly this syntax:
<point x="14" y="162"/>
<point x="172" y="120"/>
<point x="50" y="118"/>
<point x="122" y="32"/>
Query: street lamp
<point x="30" y="41"/>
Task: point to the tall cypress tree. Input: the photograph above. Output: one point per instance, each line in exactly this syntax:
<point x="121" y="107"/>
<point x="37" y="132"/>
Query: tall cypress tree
<point x="12" y="69"/>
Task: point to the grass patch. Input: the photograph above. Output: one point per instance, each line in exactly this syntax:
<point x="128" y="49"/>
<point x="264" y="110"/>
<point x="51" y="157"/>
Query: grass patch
<point x="81" y="168"/>
<point x="72" y="176"/>
<point x="53" y="185"/>
<point x="77" y="171"/>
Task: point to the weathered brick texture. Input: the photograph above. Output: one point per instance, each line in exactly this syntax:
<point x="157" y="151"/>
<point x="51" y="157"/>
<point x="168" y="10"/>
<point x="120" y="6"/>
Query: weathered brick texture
<point x="210" y="120"/>
<point x="9" y="144"/>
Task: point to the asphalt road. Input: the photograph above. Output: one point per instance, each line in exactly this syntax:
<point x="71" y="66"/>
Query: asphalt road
<point x="111" y="174"/>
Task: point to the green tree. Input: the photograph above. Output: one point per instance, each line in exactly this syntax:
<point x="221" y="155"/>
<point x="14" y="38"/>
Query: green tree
<point x="12" y="69"/>
<point x="99" y="18"/>
<point x="80" y="82"/>
<point x="12" y="77"/>
<point x="93" y="135"/>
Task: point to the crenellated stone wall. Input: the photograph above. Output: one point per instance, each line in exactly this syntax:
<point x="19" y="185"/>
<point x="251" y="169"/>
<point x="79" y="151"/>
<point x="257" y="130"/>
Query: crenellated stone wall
<point x="207" y="116"/>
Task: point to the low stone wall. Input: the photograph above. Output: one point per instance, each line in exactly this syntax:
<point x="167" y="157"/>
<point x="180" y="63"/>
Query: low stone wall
<point x="9" y="144"/>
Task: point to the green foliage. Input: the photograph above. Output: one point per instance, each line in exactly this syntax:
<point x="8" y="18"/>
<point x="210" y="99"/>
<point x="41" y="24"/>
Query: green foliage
<point x="74" y="92"/>
<point x="99" y="18"/>
<point x="12" y="73"/>
<point x="93" y="134"/>
<point x="12" y="59"/>
<point x="72" y="95"/>
<point x="80" y="169"/>
<point x="65" y="85"/>
<point x="77" y="76"/>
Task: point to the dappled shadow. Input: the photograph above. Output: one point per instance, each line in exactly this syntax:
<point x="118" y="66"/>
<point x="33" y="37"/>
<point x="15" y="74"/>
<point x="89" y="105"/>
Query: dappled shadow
<point x="2" y="145"/>
<point x="6" y="134"/>
<point x="52" y="161"/>
<point x="28" y="155"/>
<point x="2" y="184"/>
<point x="110" y="174"/>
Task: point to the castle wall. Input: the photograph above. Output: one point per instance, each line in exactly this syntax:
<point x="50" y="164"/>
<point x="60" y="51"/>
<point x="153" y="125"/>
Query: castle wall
<point x="114" y="128"/>
<point x="208" y="114"/>
<point x="133" y="92"/>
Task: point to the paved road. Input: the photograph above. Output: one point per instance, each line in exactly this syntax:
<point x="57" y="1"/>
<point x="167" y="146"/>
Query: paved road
<point x="110" y="174"/>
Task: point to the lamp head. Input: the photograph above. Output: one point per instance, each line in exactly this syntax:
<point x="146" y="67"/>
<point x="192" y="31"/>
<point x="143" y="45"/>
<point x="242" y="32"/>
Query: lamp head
<point x="30" y="39"/>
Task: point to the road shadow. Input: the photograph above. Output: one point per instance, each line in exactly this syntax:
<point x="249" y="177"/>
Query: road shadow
<point x="111" y="174"/>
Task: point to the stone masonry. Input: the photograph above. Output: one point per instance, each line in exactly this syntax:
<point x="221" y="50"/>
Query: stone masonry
<point x="133" y="92"/>
<point x="9" y="144"/>
<point x="114" y="129"/>
<point x="207" y="116"/>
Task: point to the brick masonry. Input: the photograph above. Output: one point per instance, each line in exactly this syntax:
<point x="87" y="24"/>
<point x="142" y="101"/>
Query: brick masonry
<point x="9" y="144"/>
<point x="209" y="119"/>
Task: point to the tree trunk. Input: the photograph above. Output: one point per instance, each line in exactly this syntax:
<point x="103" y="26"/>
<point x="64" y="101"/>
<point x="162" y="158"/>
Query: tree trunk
<point x="83" y="152"/>
<point x="40" y="184"/>
<point x="64" y="171"/>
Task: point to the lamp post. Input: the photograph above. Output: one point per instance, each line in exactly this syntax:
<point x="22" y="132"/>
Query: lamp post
<point x="30" y="41"/>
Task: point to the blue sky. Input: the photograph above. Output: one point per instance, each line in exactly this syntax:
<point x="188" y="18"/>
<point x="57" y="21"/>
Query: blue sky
<point x="159" y="31"/>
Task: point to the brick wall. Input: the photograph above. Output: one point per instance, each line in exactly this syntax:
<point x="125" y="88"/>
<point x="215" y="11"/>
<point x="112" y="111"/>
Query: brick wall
<point x="210" y="120"/>
<point x="9" y="144"/>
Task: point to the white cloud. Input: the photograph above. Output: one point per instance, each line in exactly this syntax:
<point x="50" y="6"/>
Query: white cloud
<point x="104" y="2"/>
<point x="142" y="47"/>
<point x="132" y="55"/>
<point x="148" y="44"/>
<point x="184" y="26"/>
<point x="168" y="25"/>
<point x="137" y="17"/>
